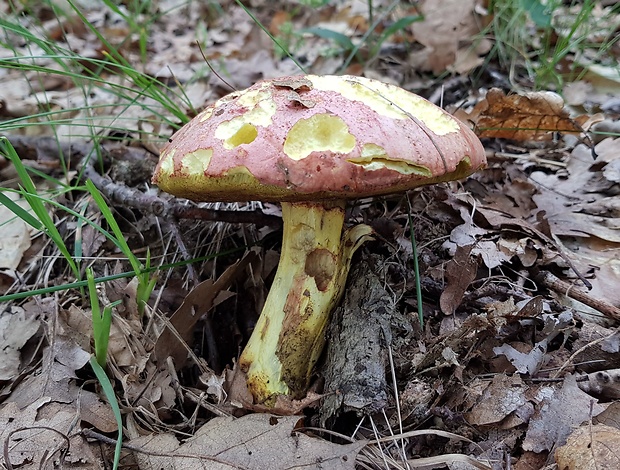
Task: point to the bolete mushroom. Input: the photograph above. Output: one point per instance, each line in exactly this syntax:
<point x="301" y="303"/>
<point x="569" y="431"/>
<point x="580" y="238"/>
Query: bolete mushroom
<point x="311" y="143"/>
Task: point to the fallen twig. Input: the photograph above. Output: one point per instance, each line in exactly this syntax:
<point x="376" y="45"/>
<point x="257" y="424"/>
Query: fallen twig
<point x="552" y="282"/>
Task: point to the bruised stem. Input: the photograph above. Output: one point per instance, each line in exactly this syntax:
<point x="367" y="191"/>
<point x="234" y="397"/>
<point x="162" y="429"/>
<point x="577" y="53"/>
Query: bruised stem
<point x="290" y="333"/>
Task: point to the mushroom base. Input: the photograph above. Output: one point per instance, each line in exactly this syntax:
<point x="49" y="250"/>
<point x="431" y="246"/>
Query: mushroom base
<point x="290" y="333"/>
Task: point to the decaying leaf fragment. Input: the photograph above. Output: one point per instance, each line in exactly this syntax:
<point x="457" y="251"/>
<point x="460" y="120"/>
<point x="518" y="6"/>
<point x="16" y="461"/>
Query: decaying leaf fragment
<point x="446" y="33"/>
<point x="527" y="116"/>
<point x="45" y="434"/>
<point x="17" y="326"/>
<point x="15" y="236"/>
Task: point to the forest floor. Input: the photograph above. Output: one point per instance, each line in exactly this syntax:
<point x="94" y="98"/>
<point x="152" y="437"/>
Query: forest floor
<point x="514" y="271"/>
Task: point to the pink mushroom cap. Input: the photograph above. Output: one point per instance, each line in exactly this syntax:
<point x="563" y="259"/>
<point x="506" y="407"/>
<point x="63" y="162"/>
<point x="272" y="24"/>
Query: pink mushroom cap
<point x="311" y="138"/>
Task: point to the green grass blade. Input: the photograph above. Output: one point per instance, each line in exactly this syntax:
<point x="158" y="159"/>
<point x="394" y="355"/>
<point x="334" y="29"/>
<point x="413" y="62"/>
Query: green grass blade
<point x="399" y="25"/>
<point x="108" y="391"/>
<point x="112" y="277"/>
<point x="29" y="192"/>
<point x="343" y="41"/>
<point x="101" y="321"/>
<point x="20" y="212"/>
<point x="109" y="217"/>
<point x="145" y="282"/>
<point x="416" y="266"/>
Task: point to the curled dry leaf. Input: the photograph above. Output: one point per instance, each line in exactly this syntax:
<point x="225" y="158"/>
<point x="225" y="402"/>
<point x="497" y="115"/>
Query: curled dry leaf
<point x="523" y="117"/>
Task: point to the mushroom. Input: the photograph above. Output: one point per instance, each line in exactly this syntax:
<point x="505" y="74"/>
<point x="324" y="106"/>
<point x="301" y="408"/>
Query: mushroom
<point x="311" y="143"/>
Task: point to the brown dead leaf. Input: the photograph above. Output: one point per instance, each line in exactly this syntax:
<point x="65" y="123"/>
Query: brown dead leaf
<point x="470" y="233"/>
<point x="524" y="117"/>
<point x="503" y="396"/>
<point x="523" y="248"/>
<point x="590" y="448"/>
<point x="236" y="387"/>
<point x="609" y="417"/>
<point x="571" y="224"/>
<point x="584" y="210"/>
<point x="197" y="303"/>
<point x="460" y="272"/>
<point x="531" y="461"/>
<point x="446" y="23"/>
<point x="17" y="326"/>
<point x="34" y="438"/>
<point x="255" y="441"/>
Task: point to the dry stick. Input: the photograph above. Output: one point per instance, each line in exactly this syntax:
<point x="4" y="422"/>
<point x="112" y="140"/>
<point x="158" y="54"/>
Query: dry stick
<point x="579" y="351"/>
<point x="200" y="401"/>
<point x="551" y="282"/>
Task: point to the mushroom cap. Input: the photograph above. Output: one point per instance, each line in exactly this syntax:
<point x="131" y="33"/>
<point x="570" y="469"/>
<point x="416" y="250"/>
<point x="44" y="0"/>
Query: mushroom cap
<point x="310" y="138"/>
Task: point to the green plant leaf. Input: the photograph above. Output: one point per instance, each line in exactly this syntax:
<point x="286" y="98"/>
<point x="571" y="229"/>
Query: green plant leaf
<point x="343" y="41"/>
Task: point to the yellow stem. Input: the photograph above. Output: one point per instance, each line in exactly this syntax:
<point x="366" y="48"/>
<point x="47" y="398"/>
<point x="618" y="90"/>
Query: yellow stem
<point x="290" y="333"/>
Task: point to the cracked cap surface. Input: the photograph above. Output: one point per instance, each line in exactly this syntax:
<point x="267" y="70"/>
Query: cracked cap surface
<point x="316" y="137"/>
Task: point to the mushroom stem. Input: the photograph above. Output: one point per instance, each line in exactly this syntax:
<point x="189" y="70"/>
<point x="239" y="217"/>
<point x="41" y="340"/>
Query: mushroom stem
<point x="290" y="333"/>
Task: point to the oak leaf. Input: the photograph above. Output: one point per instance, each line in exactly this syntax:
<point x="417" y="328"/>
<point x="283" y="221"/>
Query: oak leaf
<point x="522" y="117"/>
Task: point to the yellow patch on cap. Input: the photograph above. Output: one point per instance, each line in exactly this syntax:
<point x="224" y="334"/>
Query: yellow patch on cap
<point x="373" y="157"/>
<point x="242" y="129"/>
<point x="166" y="162"/>
<point x="388" y="100"/>
<point x="196" y="163"/>
<point x="206" y="114"/>
<point x="318" y="133"/>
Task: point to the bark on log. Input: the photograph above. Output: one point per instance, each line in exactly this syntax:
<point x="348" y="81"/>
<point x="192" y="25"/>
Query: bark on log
<point x="358" y="337"/>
